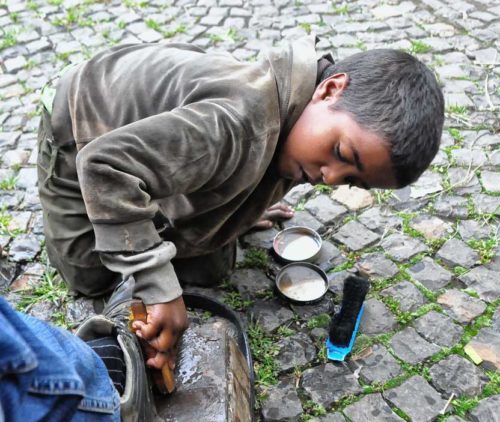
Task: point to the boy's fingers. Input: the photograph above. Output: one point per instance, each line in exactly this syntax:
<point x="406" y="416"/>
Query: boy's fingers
<point x="277" y="214"/>
<point x="137" y="325"/>
<point x="159" y="361"/>
<point x="164" y="342"/>
<point x="148" y="331"/>
<point x="280" y="206"/>
<point x="263" y="224"/>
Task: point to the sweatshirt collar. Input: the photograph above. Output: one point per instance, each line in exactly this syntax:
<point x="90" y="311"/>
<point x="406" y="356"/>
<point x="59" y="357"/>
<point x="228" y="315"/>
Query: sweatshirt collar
<point x="295" y="70"/>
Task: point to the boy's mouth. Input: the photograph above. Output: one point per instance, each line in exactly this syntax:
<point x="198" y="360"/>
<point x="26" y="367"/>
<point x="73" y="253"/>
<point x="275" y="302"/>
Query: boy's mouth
<point x="306" y="178"/>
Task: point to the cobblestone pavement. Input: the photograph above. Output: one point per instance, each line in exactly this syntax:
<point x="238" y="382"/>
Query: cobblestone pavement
<point x="430" y="340"/>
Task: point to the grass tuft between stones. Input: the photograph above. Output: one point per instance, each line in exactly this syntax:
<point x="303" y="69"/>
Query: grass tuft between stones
<point x="264" y="350"/>
<point x="50" y="289"/>
<point x="255" y="258"/>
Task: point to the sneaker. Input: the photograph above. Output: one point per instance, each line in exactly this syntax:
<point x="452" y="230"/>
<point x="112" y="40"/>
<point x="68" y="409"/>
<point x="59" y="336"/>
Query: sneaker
<point x="136" y="402"/>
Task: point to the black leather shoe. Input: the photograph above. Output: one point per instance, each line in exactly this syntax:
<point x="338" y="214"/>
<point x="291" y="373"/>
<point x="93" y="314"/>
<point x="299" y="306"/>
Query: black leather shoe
<point x="136" y="402"/>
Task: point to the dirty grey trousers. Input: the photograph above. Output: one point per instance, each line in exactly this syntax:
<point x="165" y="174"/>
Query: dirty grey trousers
<point x="69" y="236"/>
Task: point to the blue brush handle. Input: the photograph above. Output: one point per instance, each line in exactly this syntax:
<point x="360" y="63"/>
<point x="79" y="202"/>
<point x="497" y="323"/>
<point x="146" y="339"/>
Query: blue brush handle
<point x="339" y="353"/>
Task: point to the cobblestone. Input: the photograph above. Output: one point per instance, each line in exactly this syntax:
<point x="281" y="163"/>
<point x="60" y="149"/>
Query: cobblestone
<point x="412" y="348"/>
<point x="282" y="403"/>
<point x="484" y="282"/>
<point x="417" y="399"/>
<point x="317" y="382"/>
<point x="457" y="375"/>
<point x="371" y="408"/>
<point x="401" y="247"/>
<point x="376" y="365"/>
<point x="486" y="346"/>
<point x="271" y="315"/>
<point x="408" y="296"/>
<point x="377" y="265"/>
<point x="486" y="410"/>
<point x="430" y="274"/>
<point x="295" y="351"/>
<point x="438" y="329"/>
<point x="456" y="253"/>
<point x="355" y="236"/>
<point x="325" y="210"/>
<point x="460" y="306"/>
<point x="377" y="318"/>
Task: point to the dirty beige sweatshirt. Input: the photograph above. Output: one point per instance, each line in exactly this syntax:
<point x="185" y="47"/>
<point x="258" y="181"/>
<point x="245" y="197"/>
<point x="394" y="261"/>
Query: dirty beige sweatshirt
<point x="171" y="137"/>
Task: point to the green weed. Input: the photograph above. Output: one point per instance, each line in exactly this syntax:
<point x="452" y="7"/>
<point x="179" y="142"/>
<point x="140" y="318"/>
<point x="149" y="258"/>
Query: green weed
<point x="455" y="134"/>
<point x="322" y="352"/>
<point x="73" y="16"/>
<point x="255" y="258"/>
<point x="206" y="315"/>
<point x="318" y="321"/>
<point x="301" y="205"/>
<point x="31" y="5"/>
<point x="9" y="183"/>
<point x="323" y="188"/>
<point x="419" y="47"/>
<point x="485" y="247"/>
<point x="361" y="45"/>
<point x="285" y="331"/>
<point x="463" y="405"/>
<point x="382" y="195"/>
<point x="232" y="34"/>
<point x="306" y="27"/>
<point x="179" y="29"/>
<point x="235" y="300"/>
<point x="493" y="386"/>
<point x="216" y="38"/>
<point x="50" y="288"/>
<point x="342" y="10"/>
<point x="264" y="350"/>
<point x="14" y="17"/>
<point x="311" y="408"/>
<point x="471" y="293"/>
<point x="151" y="23"/>
<point x="458" y="271"/>
<point x="5" y="223"/>
<point x="456" y="109"/>
<point x="8" y="39"/>
<point x="135" y="4"/>
<point x="407" y="229"/>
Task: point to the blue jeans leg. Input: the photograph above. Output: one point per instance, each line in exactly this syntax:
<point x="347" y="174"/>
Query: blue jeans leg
<point x="48" y="374"/>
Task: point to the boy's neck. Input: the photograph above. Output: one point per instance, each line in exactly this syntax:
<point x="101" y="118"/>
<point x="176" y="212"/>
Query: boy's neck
<point x="323" y="63"/>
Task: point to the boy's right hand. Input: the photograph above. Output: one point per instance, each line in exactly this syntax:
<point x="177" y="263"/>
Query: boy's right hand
<point x="165" y="324"/>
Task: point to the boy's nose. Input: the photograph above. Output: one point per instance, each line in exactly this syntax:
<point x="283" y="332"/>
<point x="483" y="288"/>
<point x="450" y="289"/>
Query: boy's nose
<point x="332" y="176"/>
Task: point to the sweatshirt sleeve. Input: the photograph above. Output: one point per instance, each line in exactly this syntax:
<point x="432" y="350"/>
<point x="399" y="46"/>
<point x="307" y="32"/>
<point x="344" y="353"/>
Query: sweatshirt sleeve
<point x="123" y="172"/>
<point x="155" y="278"/>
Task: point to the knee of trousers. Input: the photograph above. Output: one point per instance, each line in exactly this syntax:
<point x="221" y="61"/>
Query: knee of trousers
<point x="83" y="278"/>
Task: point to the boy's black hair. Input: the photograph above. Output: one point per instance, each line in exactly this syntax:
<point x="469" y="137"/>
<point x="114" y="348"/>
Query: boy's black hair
<point x="394" y="95"/>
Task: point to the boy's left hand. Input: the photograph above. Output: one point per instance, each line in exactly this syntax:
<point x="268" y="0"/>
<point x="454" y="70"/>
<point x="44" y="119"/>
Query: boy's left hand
<point x="274" y="213"/>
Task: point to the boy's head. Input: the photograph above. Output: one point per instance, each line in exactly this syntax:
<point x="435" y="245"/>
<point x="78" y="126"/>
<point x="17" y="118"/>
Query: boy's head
<point x="375" y="120"/>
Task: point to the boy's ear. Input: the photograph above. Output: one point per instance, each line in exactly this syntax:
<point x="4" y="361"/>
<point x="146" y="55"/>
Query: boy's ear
<point x="331" y="88"/>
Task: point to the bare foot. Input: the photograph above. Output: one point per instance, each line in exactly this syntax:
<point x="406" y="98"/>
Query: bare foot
<point x="274" y="213"/>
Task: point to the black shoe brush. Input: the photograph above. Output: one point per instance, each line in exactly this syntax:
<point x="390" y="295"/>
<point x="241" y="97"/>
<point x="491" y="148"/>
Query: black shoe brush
<point x="343" y="323"/>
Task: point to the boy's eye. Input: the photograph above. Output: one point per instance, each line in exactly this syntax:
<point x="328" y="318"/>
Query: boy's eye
<point x="339" y="155"/>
